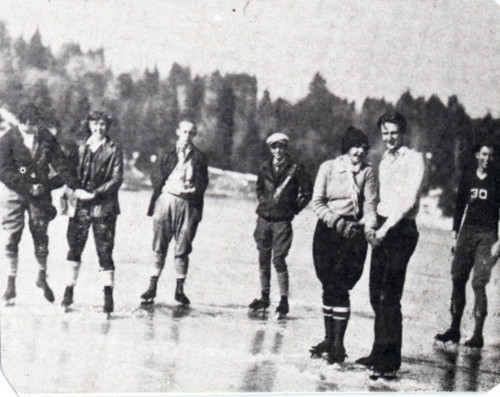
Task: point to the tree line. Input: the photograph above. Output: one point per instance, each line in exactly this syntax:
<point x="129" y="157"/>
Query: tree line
<point x="232" y="121"/>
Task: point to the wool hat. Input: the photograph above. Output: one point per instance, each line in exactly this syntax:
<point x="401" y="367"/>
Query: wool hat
<point x="277" y="137"/>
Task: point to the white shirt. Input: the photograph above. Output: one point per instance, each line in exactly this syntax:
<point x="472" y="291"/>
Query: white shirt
<point x="400" y="180"/>
<point x="180" y="180"/>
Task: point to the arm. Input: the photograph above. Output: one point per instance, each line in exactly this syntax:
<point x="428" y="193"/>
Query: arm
<point x="319" y="199"/>
<point x="114" y="183"/>
<point x="62" y="165"/>
<point x="370" y="196"/>
<point x="260" y="186"/>
<point x="157" y="177"/>
<point x="414" y="173"/>
<point x="9" y="173"/>
<point x="202" y="178"/>
<point x="461" y="202"/>
<point x="305" y="188"/>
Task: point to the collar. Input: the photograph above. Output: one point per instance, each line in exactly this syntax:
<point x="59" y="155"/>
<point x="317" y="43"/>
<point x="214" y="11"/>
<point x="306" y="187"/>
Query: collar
<point x="188" y="148"/>
<point x="344" y="165"/>
<point x="402" y="151"/>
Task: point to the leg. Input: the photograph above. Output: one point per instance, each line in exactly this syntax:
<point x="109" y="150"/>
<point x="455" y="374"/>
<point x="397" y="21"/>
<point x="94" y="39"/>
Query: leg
<point x="263" y="238"/>
<point x="104" y="236"/>
<point x="282" y="235"/>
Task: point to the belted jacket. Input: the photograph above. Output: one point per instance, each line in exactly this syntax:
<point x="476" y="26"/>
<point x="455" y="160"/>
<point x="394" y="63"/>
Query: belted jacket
<point x="284" y="193"/>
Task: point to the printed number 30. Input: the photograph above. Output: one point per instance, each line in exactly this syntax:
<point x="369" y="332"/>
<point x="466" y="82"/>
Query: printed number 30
<point x="481" y="193"/>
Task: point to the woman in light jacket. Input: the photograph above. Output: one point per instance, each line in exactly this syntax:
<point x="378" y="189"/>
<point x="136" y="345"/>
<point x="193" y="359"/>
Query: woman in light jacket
<point x="344" y="199"/>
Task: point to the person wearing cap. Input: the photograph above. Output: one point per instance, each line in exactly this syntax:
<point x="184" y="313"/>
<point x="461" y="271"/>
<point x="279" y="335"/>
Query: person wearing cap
<point x="98" y="164"/>
<point x="401" y="173"/>
<point x="27" y="153"/>
<point x="179" y="179"/>
<point x="283" y="190"/>
<point x="344" y="199"/>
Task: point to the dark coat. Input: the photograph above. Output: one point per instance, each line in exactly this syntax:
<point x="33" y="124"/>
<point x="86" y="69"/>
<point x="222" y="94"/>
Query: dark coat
<point x="165" y="164"/>
<point x="295" y="195"/>
<point x="106" y="179"/>
<point x="20" y="170"/>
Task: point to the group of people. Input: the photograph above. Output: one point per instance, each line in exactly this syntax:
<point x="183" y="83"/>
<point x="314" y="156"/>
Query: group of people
<point x="353" y="206"/>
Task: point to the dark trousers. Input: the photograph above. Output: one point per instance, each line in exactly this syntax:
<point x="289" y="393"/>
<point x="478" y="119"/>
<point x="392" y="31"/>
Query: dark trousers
<point x="104" y="236"/>
<point x="338" y="263"/>
<point x="387" y="277"/>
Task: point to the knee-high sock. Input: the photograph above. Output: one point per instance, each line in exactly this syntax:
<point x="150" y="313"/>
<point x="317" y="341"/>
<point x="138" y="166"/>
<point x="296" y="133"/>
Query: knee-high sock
<point x="283" y="283"/>
<point x="107" y="278"/>
<point x="72" y="269"/>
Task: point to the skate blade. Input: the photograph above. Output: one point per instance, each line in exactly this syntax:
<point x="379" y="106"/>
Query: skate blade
<point x="384" y="376"/>
<point x="147" y="302"/>
<point x="446" y="346"/>
<point x="281" y="316"/>
<point x="67" y="308"/>
<point x="9" y="302"/>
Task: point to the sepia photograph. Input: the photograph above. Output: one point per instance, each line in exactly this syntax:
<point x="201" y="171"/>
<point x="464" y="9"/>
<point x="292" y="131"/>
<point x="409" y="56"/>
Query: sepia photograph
<point x="249" y="196"/>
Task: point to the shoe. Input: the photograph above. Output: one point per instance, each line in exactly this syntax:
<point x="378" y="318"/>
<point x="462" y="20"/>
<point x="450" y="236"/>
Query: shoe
<point x="108" y="300"/>
<point x="259" y="304"/>
<point x="450" y="335"/>
<point x="179" y="293"/>
<point x="68" y="297"/>
<point x="42" y="283"/>
<point x="148" y="296"/>
<point x="336" y="354"/>
<point x="283" y="308"/>
<point x="322" y="347"/>
<point x="10" y="292"/>
<point x="476" y="341"/>
<point x="368" y="361"/>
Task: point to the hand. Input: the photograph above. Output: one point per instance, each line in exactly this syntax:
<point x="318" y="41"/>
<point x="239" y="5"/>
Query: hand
<point x="495" y="250"/>
<point x="348" y="229"/>
<point x="371" y="237"/>
<point x="37" y="190"/>
<point x="381" y="233"/>
<point x="83" y="195"/>
<point x="453" y="242"/>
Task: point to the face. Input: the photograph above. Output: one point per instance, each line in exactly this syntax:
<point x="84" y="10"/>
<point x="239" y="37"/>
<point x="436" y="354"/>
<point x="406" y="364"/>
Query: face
<point x="484" y="157"/>
<point x="357" y="154"/>
<point x="391" y="136"/>
<point x="98" y="127"/>
<point x="278" y="150"/>
<point x="185" y="133"/>
<point x="28" y="127"/>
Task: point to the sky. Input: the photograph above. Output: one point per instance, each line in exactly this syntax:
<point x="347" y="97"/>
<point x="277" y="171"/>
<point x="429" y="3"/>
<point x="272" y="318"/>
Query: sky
<point x="362" y="48"/>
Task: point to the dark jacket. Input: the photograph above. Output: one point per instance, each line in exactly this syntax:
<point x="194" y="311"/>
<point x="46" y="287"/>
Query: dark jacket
<point x="106" y="179"/>
<point x="20" y="170"/>
<point x="296" y="190"/>
<point x="165" y="164"/>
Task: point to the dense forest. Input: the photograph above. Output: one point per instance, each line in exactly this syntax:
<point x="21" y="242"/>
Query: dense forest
<point x="233" y="122"/>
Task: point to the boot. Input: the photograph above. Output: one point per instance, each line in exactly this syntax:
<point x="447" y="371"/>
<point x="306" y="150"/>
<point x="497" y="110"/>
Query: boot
<point x="283" y="308"/>
<point x="179" y="293"/>
<point x="325" y="345"/>
<point x="108" y="300"/>
<point x="42" y="283"/>
<point x="450" y="335"/>
<point x="260" y="304"/>
<point x="477" y="338"/>
<point x="148" y="296"/>
<point x="337" y="352"/>
<point x="68" y="297"/>
<point x="10" y="292"/>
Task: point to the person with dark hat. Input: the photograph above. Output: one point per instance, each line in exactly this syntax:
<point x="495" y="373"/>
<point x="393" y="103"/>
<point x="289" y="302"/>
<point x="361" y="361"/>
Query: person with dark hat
<point x="476" y="223"/>
<point x="180" y="179"/>
<point x="344" y="199"/>
<point x="401" y="173"/>
<point x="99" y="168"/>
<point x="27" y="153"/>
<point x="283" y="189"/>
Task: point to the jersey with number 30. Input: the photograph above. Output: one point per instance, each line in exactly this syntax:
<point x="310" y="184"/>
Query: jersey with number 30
<point x="481" y="197"/>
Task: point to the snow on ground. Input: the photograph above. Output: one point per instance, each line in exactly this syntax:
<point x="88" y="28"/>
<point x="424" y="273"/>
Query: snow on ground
<point x="215" y="346"/>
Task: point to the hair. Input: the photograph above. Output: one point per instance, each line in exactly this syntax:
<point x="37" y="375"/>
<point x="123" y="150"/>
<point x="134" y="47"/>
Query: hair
<point x="394" y="118"/>
<point x="99" y="115"/>
<point x="187" y="121"/>
<point x="354" y="138"/>
<point x="29" y="112"/>
<point x="488" y="143"/>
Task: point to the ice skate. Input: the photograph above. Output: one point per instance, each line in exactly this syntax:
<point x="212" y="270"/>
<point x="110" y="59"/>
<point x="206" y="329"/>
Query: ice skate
<point x="368" y="361"/>
<point x="387" y="375"/>
<point x="283" y="308"/>
<point x="10" y="293"/>
<point x="67" y="298"/>
<point x="42" y="283"/>
<point x="108" y="300"/>
<point x="321" y="348"/>
<point x="179" y="293"/>
<point x="336" y="355"/>
<point x="148" y="297"/>
<point x="259" y="305"/>
<point x="476" y="342"/>
<point x="450" y="336"/>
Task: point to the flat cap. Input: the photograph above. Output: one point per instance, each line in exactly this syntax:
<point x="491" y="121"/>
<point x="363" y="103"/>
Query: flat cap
<point x="277" y="137"/>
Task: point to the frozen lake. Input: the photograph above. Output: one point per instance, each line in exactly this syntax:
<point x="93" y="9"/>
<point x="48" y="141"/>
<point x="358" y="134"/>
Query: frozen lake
<point x="214" y="346"/>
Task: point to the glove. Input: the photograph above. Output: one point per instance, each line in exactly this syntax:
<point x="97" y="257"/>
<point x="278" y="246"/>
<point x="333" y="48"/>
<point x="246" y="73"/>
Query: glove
<point x="348" y="229"/>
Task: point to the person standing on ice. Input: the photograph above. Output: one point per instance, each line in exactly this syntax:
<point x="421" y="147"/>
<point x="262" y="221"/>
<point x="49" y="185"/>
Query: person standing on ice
<point x="283" y="190"/>
<point x="180" y="179"/>
<point x="476" y="222"/>
<point x="98" y="163"/>
<point x="401" y="173"/>
<point x="344" y="199"/>
<point x="27" y="151"/>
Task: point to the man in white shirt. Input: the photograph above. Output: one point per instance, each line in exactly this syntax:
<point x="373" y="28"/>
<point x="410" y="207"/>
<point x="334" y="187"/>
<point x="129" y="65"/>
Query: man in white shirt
<point x="401" y="173"/>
